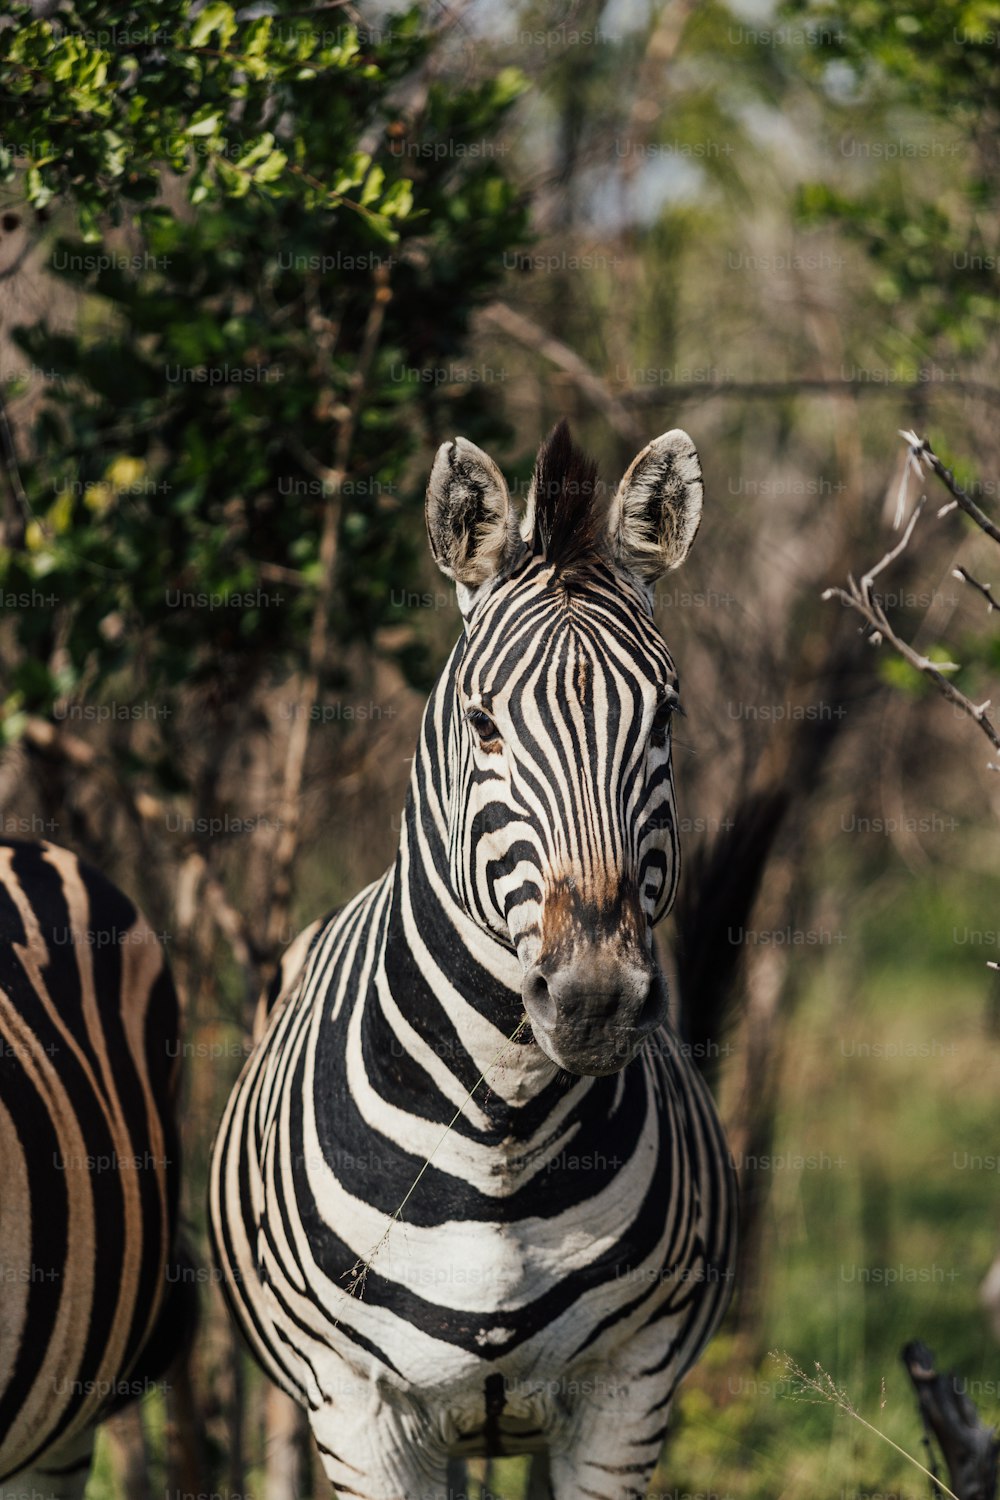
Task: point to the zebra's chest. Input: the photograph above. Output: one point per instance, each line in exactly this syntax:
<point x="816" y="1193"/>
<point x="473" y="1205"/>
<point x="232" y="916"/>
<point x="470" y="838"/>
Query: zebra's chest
<point x="432" y="1257"/>
<point x="480" y="1245"/>
<point x="444" y="1303"/>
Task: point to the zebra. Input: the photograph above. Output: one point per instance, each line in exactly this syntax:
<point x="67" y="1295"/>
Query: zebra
<point x="469" y="1195"/>
<point x="90" y="1314"/>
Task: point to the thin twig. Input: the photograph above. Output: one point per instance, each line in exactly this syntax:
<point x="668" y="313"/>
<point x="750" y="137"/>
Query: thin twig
<point x="900" y="547"/>
<point x="672" y="394"/>
<point x="875" y="615"/>
<point x="516" y="326"/>
<point x="984" y="588"/>
<point x="920" y="448"/>
<point x="863" y="599"/>
<point x="298" y="739"/>
<point x="23" y="512"/>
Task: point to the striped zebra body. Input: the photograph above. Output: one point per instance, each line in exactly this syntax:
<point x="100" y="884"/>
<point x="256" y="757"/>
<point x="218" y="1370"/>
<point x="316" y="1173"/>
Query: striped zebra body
<point x="565" y="1243"/>
<point x="88" y="1163"/>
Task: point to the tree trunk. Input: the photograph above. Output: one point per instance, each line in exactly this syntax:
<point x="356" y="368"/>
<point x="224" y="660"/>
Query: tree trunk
<point x="287" y="1452"/>
<point x="131" y="1456"/>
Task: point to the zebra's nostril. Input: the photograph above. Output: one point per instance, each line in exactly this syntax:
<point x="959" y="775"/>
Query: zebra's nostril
<point x="536" y="993"/>
<point x="536" y="987"/>
<point x="653" y="1009"/>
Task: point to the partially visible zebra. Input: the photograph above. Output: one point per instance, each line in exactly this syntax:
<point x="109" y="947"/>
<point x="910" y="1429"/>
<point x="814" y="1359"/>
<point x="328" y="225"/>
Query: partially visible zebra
<point x="566" y="1240"/>
<point x="89" y="1165"/>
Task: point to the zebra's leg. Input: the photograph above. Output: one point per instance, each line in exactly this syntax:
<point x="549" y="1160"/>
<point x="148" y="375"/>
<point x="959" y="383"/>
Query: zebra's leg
<point x="378" y="1452"/>
<point x="62" y="1476"/>
<point x="416" y="1479"/>
<point x="608" y="1471"/>
<point x="613" y="1450"/>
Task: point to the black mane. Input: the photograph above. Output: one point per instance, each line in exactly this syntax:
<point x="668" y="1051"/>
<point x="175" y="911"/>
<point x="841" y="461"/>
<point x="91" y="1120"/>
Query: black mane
<point x="568" y="513"/>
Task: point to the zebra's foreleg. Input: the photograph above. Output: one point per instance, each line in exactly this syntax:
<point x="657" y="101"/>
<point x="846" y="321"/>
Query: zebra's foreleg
<point x="376" y="1452"/>
<point x="613" y="1451"/>
<point x="602" y="1478"/>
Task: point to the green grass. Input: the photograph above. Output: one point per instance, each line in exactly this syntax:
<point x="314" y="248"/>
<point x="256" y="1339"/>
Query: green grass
<point x="887" y="1193"/>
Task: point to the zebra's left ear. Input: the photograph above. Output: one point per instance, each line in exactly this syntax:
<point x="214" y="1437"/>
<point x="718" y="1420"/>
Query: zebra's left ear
<point x="470" y="521"/>
<point x="655" y="514"/>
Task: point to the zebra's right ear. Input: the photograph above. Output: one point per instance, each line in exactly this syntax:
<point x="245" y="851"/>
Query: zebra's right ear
<point x="471" y="524"/>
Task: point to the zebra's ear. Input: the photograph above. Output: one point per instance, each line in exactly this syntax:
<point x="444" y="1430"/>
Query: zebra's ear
<point x="470" y="520"/>
<point x="655" y="514"/>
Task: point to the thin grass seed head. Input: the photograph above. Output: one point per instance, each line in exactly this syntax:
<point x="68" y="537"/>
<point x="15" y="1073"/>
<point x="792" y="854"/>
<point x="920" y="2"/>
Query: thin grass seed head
<point x="827" y="1389"/>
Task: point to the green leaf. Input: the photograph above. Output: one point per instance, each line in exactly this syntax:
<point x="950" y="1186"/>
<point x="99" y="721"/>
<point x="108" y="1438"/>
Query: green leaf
<point x="398" y="200"/>
<point x="271" y="168"/>
<point x="205" y="121"/>
<point x="373" y="185"/>
<point x="37" y="191"/>
<point x="216" y="17"/>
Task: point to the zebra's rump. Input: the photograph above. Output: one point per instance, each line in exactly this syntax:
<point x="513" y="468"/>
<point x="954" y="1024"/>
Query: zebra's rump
<point x="88" y="1148"/>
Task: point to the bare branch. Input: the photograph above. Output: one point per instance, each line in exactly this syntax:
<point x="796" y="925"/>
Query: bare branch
<point x="872" y="612"/>
<point x="13" y="534"/>
<point x="658" y="395"/>
<point x="921" y="449"/>
<point x="901" y="546"/>
<point x="617" y="407"/>
<point x="865" y="602"/>
<point x="298" y="739"/>
<point x="516" y="326"/>
<point x="984" y="588"/>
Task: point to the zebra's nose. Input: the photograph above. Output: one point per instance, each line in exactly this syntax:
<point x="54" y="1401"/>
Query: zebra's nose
<point x="579" y="988"/>
<point x="592" y="1014"/>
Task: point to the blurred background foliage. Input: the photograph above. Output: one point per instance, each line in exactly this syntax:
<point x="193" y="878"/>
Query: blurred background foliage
<point x="187" y="443"/>
<point x="254" y="266"/>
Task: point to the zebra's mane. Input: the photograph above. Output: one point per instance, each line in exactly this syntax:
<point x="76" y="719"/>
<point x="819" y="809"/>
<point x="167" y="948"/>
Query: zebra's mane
<point x="567" y="521"/>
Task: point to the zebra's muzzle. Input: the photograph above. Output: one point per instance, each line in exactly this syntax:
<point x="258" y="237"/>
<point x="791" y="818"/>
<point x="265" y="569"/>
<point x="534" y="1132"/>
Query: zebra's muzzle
<point x="592" y="1015"/>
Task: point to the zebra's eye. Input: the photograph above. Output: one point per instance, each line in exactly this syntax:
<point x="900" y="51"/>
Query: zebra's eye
<point x="483" y="726"/>
<point x="669" y="705"/>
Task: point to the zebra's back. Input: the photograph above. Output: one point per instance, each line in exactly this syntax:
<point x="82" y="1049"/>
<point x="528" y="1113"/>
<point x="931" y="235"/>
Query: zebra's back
<point x="89" y="1163"/>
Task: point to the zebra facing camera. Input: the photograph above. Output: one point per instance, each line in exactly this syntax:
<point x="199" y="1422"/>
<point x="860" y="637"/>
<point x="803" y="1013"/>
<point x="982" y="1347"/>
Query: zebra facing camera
<point x="442" y="1208"/>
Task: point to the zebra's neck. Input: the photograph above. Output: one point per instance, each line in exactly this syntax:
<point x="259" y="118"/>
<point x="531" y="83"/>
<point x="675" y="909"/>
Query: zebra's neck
<point x="443" y="979"/>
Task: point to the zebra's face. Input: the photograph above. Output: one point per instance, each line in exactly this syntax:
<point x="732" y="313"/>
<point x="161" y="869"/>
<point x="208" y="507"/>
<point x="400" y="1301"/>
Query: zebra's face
<point x="563" y="837"/>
